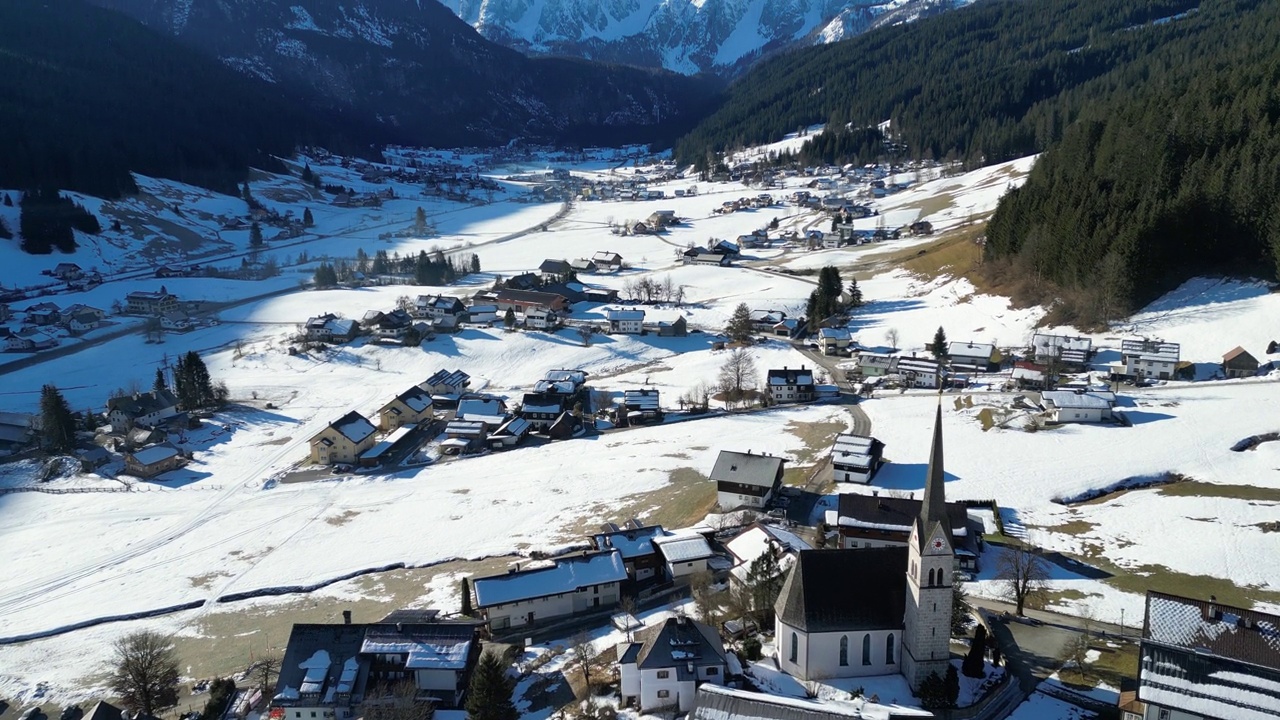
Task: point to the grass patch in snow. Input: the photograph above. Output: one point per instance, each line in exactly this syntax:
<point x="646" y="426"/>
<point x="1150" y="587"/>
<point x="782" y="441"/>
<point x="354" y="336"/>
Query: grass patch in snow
<point x="934" y="204"/>
<point x="682" y="502"/>
<point x="1196" y="488"/>
<point x="954" y="254"/>
<point x="343" y="519"/>
<point x="1160" y="578"/>
<point x="1072" y="527"/>
<point x="1117" y="661"/>
<point x="817" y="438"/>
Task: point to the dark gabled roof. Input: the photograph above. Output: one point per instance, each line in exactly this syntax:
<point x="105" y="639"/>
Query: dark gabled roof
<point x="714" y="702"/>
<point x="886" y="512"/>
<point x="339" y="642"/>
<point x="426" y="615"/>
<point x="529" y="296"/>
<point x="746" y="468"/>
<point x="838" y="590"/>
<point x="1210" y="627"/>
<point x="1212" y="687"/>
<point x="103" y="710"/>
<point x="676" y="642"/>
<point x="558" y="267"/>
<point x="1239" y="353"/>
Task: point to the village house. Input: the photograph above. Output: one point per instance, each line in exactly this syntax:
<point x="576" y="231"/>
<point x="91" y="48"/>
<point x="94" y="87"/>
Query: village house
<point x="151" y="461"/>
<point x="1238" y="363"/>
<point x="541" y="318"/>
<point x="555" y="268"/>
<point x="625" y="322"/>
<point x="176" y="321"/>
<point x="491" y="411"/>
<point x="606" y="261"/>
<point x="408" y="408"/>
<point x="758" y="540"/>
<point x="635" y="543"/>
<point x="1069" y="353"/>
<point x="67" y="271"/>
<point x="17" y="431"/>
<point x="465" y="436"/>
<point x="855" y="458"/>
<point x="482" y="314"/>
<point x="344" y="440"/>
<point x="667" y="325"/>
<point x="1027" y="375"/>
<point x="83" y="322"/>
<point x="390" y="444"/>
<point x="729" y="249"/>
<point x="871" y="364"/>
<point x="703" y="256"/>
<point x="571" y="585"/>
<point x="683" y="555"/>
<point x="876" y="521"/>
<point x="1203" y="659"/>
<point x="1142" y="359"/>
<point x="446" y="383"/>
<point x="44" y="314"/>
<point x="389" y="326"/>
<point x="640" y="406"/>
<point x="919" y="372"/>
<point x="834" y="341"/>
<point x="141" y="409"/>
<point x="510" y="433"/>
<point x="82" y="309"/>
<point x="157" y="302"/>
<point x="665" y="663"/>
<point x="330" y="328"/>
<point x="973" y="357"/>
<point x="31" y="339"/>
<point x="338" y="671"/>
<point x="1070" y="406"/>
<point x="522" y="300"/>
<point x="439" y="307"/>
<point x="787" y="328"/>
<point x="829" y="626"/>
<point x="763" y="321"/>
<point x="542" y="409"/>
<point x="790" y="385"/>
<point x="746" y="479"/>
<point x="660" y="220"/>
<point x="583" y="266"/>
<point x="921" y="227"/>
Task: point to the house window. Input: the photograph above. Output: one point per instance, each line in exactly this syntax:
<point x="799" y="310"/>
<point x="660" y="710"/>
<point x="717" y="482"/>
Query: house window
<point x="664" y="674"/>
<point x="888" y="649"/>
<point x="713" y="671"/>
<point x="1164" y="714"/>
<point x="866" y="649"/>
<point x="844" y="650"/>
<point x="930" y="579"/>
<point x="664" y="693"/>
<point x="795" y="647"/>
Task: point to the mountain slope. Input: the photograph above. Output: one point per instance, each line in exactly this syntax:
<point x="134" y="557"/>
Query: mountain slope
<point x="687" y="36"/>
<point x="987" y="83"/>
<point x="87" y="95"/>
<point x="421" y="69"/>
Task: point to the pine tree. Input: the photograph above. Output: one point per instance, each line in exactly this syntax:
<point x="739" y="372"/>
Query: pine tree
<point x="475" y="263"/>
<point x="255" y="235"/>
<point x="325" y="276"/>
<point x="192" y="383"/>
<point x="159" y="383"/>
<point x="307" y="175"/>
<point x="739" y="327"/>
<point x="951" y="686"/>
<point x="57" y="424"/>
<point x="307" y="219"/>
<point x="8" y="201"/>
<point x="939" y="345"/>
<point x="933" y="692"/>
<point x="90" y="419"/>
<point x="420" y="221"/>
<point x="245" y="194"/>
<point x="489" y="697"/>
<point x="464" y="590"/>
<point x="855" y="293"/>
<point x="509" y="318"/>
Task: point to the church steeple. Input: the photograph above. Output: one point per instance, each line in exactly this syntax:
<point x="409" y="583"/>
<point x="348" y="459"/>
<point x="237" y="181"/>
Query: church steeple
<point x="934" y="507"/>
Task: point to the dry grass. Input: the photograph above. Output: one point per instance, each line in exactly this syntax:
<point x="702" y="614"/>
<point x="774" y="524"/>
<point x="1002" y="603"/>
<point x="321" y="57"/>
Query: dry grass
<point x="1118" y="661"/>
<point x="1196" y="488"/>
<point x="343" y="519"/>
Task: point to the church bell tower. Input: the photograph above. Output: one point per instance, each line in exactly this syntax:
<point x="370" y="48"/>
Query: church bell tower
<point x="926" y="641"/>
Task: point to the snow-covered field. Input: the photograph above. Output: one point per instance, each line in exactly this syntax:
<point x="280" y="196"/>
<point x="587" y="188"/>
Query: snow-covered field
<point x="223" y="526"/>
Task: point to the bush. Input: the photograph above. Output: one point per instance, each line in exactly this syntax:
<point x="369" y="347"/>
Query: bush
<point x="751" y="649"/>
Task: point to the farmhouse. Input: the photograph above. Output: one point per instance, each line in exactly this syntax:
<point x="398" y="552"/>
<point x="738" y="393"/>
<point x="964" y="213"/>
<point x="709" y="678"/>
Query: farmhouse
<point x="330" y="328"/>
<point x="151" y="461"/>
<point x="790" y="385"/>
<point x="746" y="479"/>
<point x="444" y="382"/>
<point x="492" y="411"/>
<point x="1071" y="353"/>
<point x="522" y="300"/>
<point x="758" y="540"/>
<point x="574" y="584"/>
<point x="764" y="320"/>
<point x="391" y="326"/>
<point x="542" y="409"/>
<point x="834" y="341"/>
<point x="1069" y="406"/>
<point x="583" y="266"/>
<point x="641" y="406"/>
<point x="855" y="458"/>
<point x="869" y="364"/>
<point x="408" y="408"/>
<point x="665" y="664"/>
<point x="439" y="307"/>
<point x="683" y="555"/>
<point x="540" y="318"/>
<point x="606" y="261"/>
<point x="1238" y="363"/>
<point x="1148" y="359"/>
<point x="919" y="372"/>
<point x="829" y="625"/>
<point x="141" y="409"/>
<point x="343" y="441"/>
<point x="83" y="322"/>
<point x="44" y="314"/>
<point x="872" y="521"/>
<point x="703" y="256"/>
<point x="635" y="543"/>
<point x="67" y="271"/>
<point x="973" y="357"/>
<point x="1203" y="659"/>
<point x="156" y="302"/>
<point x="625" y="322"/>
<point x="555" y="268"/>
<point x="176" y="321"/>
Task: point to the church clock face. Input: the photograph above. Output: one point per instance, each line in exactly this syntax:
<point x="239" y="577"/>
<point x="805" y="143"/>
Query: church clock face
<point x="937" y="543"/>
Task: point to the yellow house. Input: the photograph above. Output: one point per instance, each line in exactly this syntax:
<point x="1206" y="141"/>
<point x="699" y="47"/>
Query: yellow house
<point x="343" y="440"/>
<point x="407" y="408"/>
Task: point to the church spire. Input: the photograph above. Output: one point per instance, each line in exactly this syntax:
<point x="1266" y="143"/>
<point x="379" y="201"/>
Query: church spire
<point x="934" y="507"/>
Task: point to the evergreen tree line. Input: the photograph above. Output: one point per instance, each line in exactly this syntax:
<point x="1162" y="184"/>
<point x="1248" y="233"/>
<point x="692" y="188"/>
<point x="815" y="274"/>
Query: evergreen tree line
<point x="49" y="219"/>
<point x="983" y="84"/>
<point x="434" y="268"/>
<point x="831" y="297"/>
<point x="193" y="386"/>
<point x="1145" y="192"/>
<point x="91" y="96"/>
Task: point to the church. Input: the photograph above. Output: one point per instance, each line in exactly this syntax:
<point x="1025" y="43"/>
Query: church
<point x="874" y="611"/>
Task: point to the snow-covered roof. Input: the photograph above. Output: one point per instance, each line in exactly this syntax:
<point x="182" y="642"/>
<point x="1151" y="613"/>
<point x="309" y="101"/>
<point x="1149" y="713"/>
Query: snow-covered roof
<point x="488" y="410"/>
<point x="643" y="399"/>
<point x="753" y="542"/>
<point x="456" y="378"/>
<point x="790" y="376"/>
<point x="834" y="333"/>
<point x="155" y="454"/>
<point x="416" y="399"/>
<point x="426" y="647"/>
<point x="1043" y="343"/>
<point x="848" y="442"/>
<point x="1069" y="399"/>
<point x="567" y="575"/>
<point x="917" y="365"/>
<point x="382" y="446"/>
<point x="971" y="350"/>
<point x="746" y="468"/>
<point x="543" y="408"/>
<point x="353" y="426"/>
<point x="575" y="376"/>
<point x="631" y="542"/>
<point x="683" y="548"/>
<point x="514" y="426"/>
<point x="1154" y="350"/>
<point x="624" y="315"/>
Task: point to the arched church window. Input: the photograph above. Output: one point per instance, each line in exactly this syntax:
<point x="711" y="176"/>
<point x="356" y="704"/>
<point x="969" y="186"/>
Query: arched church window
<point x="888" y="649"/>
<point x="844" y="650"/>
<point x="866" y="649"/>
<point x="795" y="647"/>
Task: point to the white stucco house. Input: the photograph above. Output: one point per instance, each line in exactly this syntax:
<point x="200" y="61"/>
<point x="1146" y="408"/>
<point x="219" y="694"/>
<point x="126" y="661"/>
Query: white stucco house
<point x="574" y="584"/>
<point x="664" y="665"/>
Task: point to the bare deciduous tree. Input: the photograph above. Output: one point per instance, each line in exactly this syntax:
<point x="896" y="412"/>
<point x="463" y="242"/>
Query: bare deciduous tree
<point x="584" y="653"/>
<point x="737" y="375"/>
<point x="265" y="671"/>
<point x="1023" y="573"/>
<point x="396" y="701"/>
<point x="584" y="334"/>
<point x="891" y="337"/>
<point x="145" y="672"/>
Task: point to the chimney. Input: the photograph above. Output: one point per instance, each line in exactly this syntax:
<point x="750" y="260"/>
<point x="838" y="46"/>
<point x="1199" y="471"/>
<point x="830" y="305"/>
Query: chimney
<point x="346" y="617"/>
<point x="399" y="627"/>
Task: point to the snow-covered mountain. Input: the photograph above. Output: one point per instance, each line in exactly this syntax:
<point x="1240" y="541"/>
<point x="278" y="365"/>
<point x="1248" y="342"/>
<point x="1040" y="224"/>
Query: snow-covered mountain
<point x="687" y="36"/>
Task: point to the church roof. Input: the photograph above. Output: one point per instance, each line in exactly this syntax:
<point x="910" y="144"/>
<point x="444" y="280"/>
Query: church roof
<point x="839" y="590"/>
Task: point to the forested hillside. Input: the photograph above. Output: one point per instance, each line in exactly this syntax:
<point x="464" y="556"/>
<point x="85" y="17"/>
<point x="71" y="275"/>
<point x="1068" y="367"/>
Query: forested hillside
<point x="1178" y="178"/>
<point x="984" y="84"/>
<point x="88" y="95"/>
